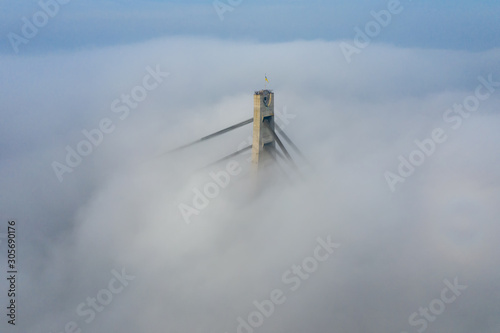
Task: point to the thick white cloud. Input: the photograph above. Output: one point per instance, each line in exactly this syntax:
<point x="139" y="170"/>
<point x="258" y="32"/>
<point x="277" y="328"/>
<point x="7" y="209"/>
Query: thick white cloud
<point x="119" y="207"/>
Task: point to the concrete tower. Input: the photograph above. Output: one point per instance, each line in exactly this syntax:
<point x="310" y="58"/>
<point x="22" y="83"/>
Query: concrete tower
<point x="263" y="116"/>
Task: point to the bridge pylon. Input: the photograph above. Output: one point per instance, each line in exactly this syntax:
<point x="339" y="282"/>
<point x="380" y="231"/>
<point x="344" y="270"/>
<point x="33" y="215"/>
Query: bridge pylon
<point x="263" y="144"/>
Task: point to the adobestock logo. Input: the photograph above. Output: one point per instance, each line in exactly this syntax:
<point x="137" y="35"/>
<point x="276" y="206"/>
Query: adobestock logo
<point x="425" y="315"/>
<point x="93" y="138"/>
<point x="93" y="306"/>
<point x="373" y="28"/>
<point x="31" y="27"/>
<point x="222" y="6"/>
<point x="454" y="116"/>
<point x="416" y="158"/>
<point x="293" y="278"/>
<point x="211" y="190"/>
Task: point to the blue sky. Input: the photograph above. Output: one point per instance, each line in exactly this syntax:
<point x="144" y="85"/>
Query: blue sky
<point x="443" y="24"/>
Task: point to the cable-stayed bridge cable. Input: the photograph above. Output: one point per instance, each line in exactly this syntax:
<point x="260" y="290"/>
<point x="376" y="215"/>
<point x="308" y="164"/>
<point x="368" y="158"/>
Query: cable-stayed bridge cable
<point x="282" y="147"/>
<point x="210" y="136"/>
<point x="290" y="142"/>
<point x="228" y="157"/>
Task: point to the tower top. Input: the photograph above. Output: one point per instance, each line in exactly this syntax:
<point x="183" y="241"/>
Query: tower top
<point x="263" y="91"/>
